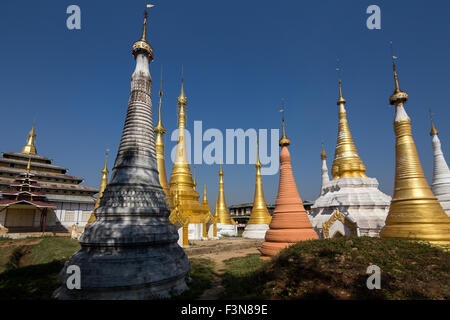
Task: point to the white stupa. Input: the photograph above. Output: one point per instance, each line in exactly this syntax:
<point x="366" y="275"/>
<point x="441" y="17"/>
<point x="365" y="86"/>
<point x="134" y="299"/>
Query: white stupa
<point x="351" y="203"/>
<point x="441" y="174"/>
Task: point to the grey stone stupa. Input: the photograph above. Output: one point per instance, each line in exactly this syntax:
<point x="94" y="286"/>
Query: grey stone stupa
<point x="130" y="251"/>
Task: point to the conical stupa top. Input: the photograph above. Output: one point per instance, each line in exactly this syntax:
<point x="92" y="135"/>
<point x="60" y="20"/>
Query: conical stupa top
<point x="290" y="223"/>
<point x="205" y="198"/>
<point x="159" y="147"/>
<point x="414" y="212"/>
<point x="341" y="98"/>
<point x="221" y="213"/>
<point x="159" y="128"/>
<point x="193" y="178"/>
<point x="182" y="100"/>
<point x="441" y="173"/>
<point x="347" y="163"/>
<point x="284" y="141"/>
<point x="433" y="131"/>
<point x="30" y="147"/>
<point x="260" y="214"/>
<point x="323" y="154"/>
<point x="398" y="95"/>
<point x="142" y="45"/>
<point x="103" y="184"/>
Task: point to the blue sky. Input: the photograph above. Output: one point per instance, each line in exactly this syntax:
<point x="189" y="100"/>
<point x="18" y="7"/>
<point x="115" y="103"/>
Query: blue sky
<point x="240" y="58"/>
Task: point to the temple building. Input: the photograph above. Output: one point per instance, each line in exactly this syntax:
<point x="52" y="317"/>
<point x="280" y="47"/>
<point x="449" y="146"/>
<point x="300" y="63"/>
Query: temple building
<point x="226" y="226"/>
<point x="72" y="202"/>
<point x="130" y="251"/>
<point x="290" y="222"/>
<point x="415" y="213"/>
<point x="260" y="218"/>
<point x="189" y="210"/>
<point x="441" y="174"/>
<point x="351" y="203"/>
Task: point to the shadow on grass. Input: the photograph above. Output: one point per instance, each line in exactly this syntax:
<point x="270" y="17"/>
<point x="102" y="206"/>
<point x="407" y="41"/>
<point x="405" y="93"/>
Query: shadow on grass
<point x="36" y="282"/>
<point x="201" y="278"/>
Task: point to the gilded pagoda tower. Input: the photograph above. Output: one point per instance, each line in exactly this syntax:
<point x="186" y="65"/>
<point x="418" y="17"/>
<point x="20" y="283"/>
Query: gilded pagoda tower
<point x="351" y="203"/>
<point x="102" y="188"/>
<point x="441" y="173"/>
<point x="415" y="213"/>
<point x="159" y="146"/>
<point x="260" y="217"/>
<point x="290" y="222"/>
<point x="130" y="251"/>
<point x="181" y="183"/>
<point x="225" y="224"/>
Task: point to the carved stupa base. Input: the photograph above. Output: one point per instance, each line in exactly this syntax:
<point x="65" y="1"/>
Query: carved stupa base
<point x="255" y="231"/>
<point x="227" y="230"/>
<point x="359" y="200"/>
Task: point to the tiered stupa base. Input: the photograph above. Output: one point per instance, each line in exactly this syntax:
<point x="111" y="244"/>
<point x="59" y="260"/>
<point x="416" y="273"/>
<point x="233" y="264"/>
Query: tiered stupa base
<point x="276" y="240"/>
<point x="255" y="231"/>
<point x="227" y="230"/>
<point x="362" y="208"/>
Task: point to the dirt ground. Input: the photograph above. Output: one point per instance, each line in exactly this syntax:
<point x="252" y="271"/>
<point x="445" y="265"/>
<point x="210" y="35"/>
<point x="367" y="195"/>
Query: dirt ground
<point x="219" y="251"/>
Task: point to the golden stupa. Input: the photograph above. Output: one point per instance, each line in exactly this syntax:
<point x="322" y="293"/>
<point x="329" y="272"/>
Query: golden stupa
<point x="347" y="163"/>
<point x="415" y="212"/>
<point x="30" y="148"/>
<point x="260" y="217"/>
<point x="182" y="184"/>
<point x="159" y="146"/>
<point x="100" y="190"/>
<point x="221" y="212"/>
<point x="226" y="225"/>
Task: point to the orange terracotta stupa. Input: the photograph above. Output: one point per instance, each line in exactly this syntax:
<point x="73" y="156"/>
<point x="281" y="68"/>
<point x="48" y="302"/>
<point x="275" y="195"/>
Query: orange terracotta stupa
<point x="290" y="223"/>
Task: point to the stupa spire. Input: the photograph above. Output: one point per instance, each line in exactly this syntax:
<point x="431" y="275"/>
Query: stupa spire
<point x="181" y="180"/>
<point x="102" y="188"/>
<point x="260" y="217"/>
<point x="290" y="223"/>
<point x="347" y="163"/>
<point x="30" y="147"/>
<point x="121" y="252"/>
<point x="205" y="198"/>
<point x="221" y="213"/>
<point x="441" y="173"/>
<point x="325" y="176"/>
<point x="159" y="146"/>
<point x="414" y="212"/>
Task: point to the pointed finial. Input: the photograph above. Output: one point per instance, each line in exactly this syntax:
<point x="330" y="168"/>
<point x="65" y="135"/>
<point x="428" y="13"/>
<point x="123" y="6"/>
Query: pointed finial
<point x="341" y="98"/>
<point x="433" y="131"/>
<point x="338" y="69"/>
<point x="30" y="146"/>
<point x="258" y="163"/>
<point x="105" y="168"/>
<point x="220" y="169"/>
<point x="323" y="155"/>
<point x="182" y="100"/>
<point x="205" y="198"/>
<point x="142" y="45"/>
<point x="284" y="141"/>
<point x="398" y="96"/>
<point x="159" y="126"/>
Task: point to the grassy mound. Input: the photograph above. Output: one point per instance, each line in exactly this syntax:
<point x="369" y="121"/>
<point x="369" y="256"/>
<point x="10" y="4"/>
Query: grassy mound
<point x="29" y="268"/>
<point x="336" y="269"/>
